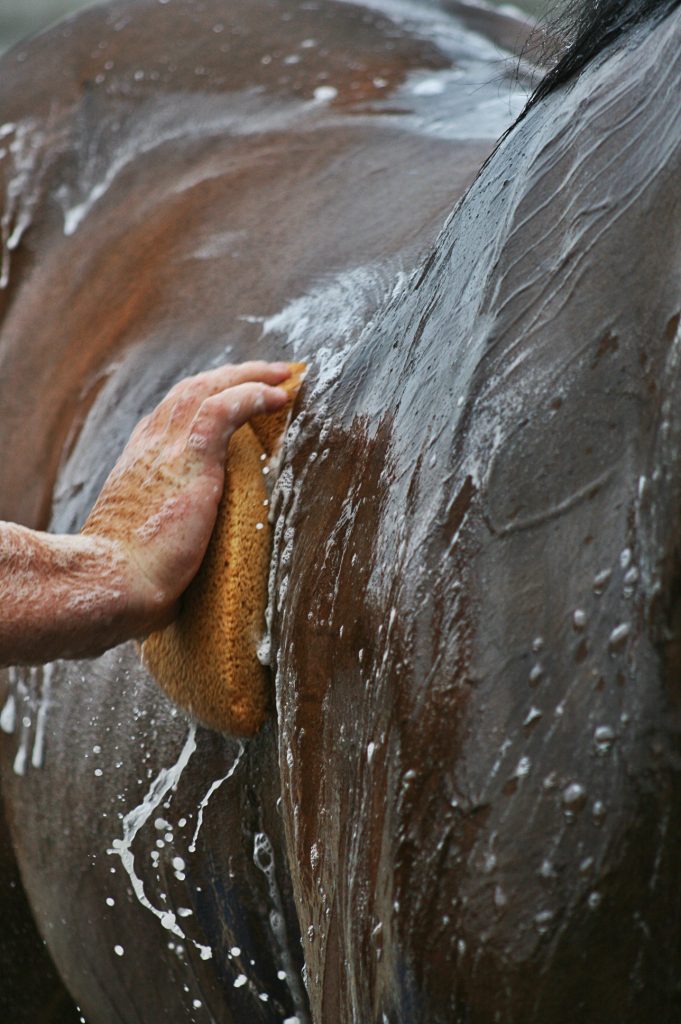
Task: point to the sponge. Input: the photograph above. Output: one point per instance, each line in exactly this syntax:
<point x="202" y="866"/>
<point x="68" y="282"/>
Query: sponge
<point x="206" y="660"/>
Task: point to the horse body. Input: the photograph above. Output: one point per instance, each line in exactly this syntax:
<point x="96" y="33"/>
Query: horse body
<point x="487" y="686"/>
<point x="176" y="204"/>
<point x="471" y="795"/>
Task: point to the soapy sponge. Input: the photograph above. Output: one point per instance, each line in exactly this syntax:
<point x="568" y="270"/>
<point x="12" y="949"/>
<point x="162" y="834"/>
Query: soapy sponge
<point x="206" y="660"/>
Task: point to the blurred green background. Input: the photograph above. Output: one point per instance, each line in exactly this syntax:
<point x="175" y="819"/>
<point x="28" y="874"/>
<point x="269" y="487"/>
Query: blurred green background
<point x="19" y="18"/>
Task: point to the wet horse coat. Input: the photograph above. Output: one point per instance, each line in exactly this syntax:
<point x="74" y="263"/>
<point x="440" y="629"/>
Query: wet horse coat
<point x="172" y="179"/>
<point x="469" y="806"/>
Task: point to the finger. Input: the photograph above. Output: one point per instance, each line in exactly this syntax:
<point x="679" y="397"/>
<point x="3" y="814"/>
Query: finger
<point x="210" y="382"/>
<point x="184" y="399"/>
<point x="221" y="414"/>
<point x="241" y="373"/>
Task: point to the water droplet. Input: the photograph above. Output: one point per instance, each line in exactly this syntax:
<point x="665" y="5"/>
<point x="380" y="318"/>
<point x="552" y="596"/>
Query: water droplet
<point x="595" y="900"/>
<point x="601" y="580"/>
<point x="110" y="901"/>
<point x="532" y="715"/>
<point x="119" y="951"/>
<point x="604" y="737"/>
<point x="542" y="920"/>
<point x="536" y="672"/>
<point x="598" y="812"/>
<point x="579" y="619"/>
<point x="618" y="637"/>
<point x="547" y="869"/>
<point x="240" y="980"/>
<point x="522" y="768"/>
<point x="235" y="951"/>
<point x="500" y="897"/>
<point x="489" y="863"/>
<point x="574" y="799"/>
<point x="325" y="93"/>
<point x="538" y="644"/>
<point x="625" y="558"/>
<point x="370" y="752"/>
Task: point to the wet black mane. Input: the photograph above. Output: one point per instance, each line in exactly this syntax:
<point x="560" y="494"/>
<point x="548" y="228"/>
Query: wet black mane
<point x="588" y="27"/>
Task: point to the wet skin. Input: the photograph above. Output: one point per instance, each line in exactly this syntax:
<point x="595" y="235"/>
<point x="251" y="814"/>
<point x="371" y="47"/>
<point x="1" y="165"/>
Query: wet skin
<point x="469" y="805"/>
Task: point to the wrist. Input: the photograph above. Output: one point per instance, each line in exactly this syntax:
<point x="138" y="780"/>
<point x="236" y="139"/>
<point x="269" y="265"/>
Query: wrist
<point x="132" y="605"/>
<point x="64" y="596"/>
<point x="97" y="596"/>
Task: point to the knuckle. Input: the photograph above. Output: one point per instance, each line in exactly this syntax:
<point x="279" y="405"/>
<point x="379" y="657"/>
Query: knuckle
<point x="177" y="389"/>
<point x="183" y="405"/>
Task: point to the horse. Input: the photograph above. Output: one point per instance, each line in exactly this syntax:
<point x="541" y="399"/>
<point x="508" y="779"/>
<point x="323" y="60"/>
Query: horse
<point x="466" y="806"/>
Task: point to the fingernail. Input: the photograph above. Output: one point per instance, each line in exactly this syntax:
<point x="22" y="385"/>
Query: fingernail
<point x="280" y="367"/>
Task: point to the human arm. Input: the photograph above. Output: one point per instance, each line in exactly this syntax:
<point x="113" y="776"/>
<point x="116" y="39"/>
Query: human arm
<point x="121" y="577"/>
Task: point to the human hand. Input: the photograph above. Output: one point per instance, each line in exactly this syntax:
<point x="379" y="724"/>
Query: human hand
<point x="158" y="505"/>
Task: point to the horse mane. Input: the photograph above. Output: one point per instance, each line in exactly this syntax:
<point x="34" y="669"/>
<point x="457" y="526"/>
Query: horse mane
<point x="585" y="28"/>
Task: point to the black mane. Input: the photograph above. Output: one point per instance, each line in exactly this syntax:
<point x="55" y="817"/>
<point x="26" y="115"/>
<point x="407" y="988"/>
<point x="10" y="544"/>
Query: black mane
<point x="588" y="28"/>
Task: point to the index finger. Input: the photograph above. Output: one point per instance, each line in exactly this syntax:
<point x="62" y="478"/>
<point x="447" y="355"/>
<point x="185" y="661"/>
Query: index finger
<point x="210" y="382"/>
<point x="184" y="399"/>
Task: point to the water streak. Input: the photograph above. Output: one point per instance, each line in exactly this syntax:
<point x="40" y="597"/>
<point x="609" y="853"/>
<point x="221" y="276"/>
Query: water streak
<point x="8" y="718"/>
<point x="165" y="782"/>
<point x="204" y="803"/>
<point x="37" y="755"/>
<point x="263" y="858"/>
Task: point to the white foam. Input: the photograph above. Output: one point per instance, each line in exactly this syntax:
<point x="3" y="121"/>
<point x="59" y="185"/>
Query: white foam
<point x="8" y="718"/>
<point x="26" y="159"/>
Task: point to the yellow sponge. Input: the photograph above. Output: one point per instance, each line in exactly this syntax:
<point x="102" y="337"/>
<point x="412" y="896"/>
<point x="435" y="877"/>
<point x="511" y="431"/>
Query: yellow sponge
<point x="206" y="659"/>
